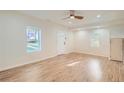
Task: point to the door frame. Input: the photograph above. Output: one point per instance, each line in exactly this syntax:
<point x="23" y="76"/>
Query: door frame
<point x="59" y="52"/>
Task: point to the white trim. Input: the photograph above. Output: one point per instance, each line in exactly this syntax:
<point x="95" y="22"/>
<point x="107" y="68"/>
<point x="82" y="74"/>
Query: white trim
<point x="91" y="54"/>
<point x="26" y="63"/>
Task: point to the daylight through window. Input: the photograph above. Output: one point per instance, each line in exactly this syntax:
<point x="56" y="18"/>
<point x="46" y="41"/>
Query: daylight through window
<point x="95" y="40"/>
<point x="33" y="39"/>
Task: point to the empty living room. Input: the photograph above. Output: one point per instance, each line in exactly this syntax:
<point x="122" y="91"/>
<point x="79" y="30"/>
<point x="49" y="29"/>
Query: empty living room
<point x="62" y="46"/>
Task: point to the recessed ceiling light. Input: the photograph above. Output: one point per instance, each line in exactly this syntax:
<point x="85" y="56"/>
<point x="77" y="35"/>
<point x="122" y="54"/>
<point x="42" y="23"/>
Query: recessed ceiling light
<point x="98" y="16"/>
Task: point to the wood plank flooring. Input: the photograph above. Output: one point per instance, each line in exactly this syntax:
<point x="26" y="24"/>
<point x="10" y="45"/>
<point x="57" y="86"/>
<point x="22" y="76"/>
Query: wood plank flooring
<point x="73" y="67"/>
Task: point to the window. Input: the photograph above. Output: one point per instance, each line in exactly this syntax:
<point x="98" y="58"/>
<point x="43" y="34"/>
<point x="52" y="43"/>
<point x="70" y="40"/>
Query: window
<point x="33" y="39"/>
<point x="95" y="40"/>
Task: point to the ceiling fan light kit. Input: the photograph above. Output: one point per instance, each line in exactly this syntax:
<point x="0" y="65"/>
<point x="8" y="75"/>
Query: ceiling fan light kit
<point x="72" y="17"/>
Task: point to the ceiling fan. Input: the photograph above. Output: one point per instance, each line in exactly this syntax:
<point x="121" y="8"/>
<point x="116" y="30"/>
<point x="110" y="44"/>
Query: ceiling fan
<point x="73" y="16"/>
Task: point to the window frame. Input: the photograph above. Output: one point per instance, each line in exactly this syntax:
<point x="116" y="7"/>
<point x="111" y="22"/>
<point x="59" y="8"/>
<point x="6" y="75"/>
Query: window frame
<point x="95" y="37"/>
<point x="39" y="47"/>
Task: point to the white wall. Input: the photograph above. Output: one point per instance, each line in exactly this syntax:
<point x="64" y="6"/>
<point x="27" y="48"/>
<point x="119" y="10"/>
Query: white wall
<point x="117" y="31"/>
<point x="70" y="41"/>
<point x="14" y="39"/>
<point x="83" y="42"/>
<point x="2" y="44"/>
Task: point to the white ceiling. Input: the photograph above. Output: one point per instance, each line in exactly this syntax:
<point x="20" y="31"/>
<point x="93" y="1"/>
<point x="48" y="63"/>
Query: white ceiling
<point x="90" y="17"/>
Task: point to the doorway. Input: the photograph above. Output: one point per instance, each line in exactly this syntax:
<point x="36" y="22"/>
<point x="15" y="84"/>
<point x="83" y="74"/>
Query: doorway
<point x="61" y="43"/>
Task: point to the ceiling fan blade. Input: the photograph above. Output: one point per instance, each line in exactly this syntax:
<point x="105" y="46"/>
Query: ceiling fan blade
<point x="79" y="17"/>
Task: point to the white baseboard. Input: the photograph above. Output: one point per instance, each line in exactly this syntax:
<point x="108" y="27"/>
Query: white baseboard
<point x="26" y="63"/>
<point x="91" y="54"/>
<point x="34" y="61"/>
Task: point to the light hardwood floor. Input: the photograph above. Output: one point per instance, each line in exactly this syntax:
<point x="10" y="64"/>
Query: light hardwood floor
<point x="73" y="67"/>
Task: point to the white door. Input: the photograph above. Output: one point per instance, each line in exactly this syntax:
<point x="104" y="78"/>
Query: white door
<point x="116" y="49"/>
<point x="61" y="42"/>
